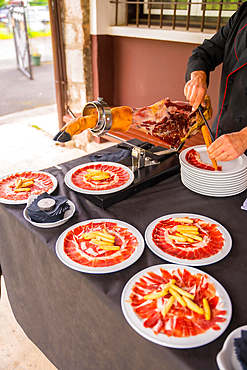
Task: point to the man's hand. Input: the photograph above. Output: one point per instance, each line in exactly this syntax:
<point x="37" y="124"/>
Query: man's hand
<point x="229" y="146"/>
<point x="196" y="88"/>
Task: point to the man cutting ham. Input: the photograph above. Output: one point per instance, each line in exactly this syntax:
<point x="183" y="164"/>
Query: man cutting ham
<point x="228" y="46"/>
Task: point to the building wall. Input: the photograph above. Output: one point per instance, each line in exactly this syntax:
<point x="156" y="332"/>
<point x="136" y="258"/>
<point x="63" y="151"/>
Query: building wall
<point x="132" y="71"/>
<point x="75" y="17"/>
<point x="144" y="71"/>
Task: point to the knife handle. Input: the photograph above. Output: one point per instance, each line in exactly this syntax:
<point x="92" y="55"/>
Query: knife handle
<point x="208" y="142"/>
<point x="200" y="109"/>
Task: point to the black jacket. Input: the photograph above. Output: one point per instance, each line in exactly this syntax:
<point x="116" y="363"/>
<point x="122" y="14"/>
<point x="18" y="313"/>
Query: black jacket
<point x="228" y="46"/>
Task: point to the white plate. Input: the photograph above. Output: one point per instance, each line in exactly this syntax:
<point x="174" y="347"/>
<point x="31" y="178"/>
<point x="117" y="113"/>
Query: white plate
<point x="162" y="339"/>
<point x="214" y="192"/>
<point x="205" y="183"/>
<point x="233" y="166"/>
<point x="72" y="186"/>
<point x="100" y="270"/>
<point x="24" y="201"/>
<point x="202" y="262"/>
<point x="216" y="180"/>
<point x="226" y="358"/>
<point x="46" y="225"/>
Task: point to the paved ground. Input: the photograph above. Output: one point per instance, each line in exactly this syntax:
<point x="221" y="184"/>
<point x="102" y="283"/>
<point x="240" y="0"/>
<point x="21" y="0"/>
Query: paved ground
<point x="25" y="147"/>
<point x="26" y="144"/>
<point x="18" y="92"/>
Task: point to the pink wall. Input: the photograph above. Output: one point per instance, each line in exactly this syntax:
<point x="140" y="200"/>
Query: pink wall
<point x="144" y="71"/>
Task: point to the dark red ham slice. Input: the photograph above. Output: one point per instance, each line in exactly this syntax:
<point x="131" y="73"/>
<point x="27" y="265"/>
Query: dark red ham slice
<point x="193" y="158"/>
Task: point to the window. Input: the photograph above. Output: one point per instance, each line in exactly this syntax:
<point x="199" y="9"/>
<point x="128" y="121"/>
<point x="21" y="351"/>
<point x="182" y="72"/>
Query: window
<point x="197" y="15"/>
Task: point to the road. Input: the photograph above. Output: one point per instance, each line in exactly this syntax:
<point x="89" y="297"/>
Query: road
<point x="18" y="92"/>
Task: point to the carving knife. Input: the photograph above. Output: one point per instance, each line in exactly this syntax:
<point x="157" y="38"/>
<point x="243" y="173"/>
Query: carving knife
<point x="200" y="109"/>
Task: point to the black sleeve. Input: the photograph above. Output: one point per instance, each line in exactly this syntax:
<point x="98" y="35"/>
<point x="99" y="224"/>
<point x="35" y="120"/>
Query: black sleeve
<point x="209" y="55"/>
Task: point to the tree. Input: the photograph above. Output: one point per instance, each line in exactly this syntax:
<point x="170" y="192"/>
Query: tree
<point x="38" y="2"/>
<point x="3" y="3"/>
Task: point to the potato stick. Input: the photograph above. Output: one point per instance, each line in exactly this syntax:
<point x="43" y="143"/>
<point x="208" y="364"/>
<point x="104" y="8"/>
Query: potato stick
<point x="91" y="170"/>
<point x="178" y="297"/>
<point x="208" y="142"/>
<point x="187" y="239"/>
<point x="188" y="231"/>
<point x="92" y="173"/>
<point x="109" y="247"/>
<point x="206" y="309"/>
<point x="105" y="236"/>
<point x="193" y="306"/>
<point x="182" y="291"/>
<point x="18" y="183"/>
<point x="26" y="184"/>
<point x="99" y="233"/>
<point x="99" y="236"/>
<point x="183" y="219"/>
<point x="22" y="189"/>
<point x="88" y="236"/>
<point x="98" y="177"/>
<point x="162" y="293"/>
<point x="27" y="180"/>
<point x="105" y="239"/>
<point x="193" y="236"/>
<point x="101" y="242"/>
<point x="168" y="305"/>
<point x="190" y="240"/>
<point x="177" y="238"/>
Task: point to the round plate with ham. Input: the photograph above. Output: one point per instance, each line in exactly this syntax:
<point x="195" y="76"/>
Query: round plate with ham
<point x="145" y="308"/>
<point x="35" y="183"/>
<point x="235" y="166"/>
<point x="100" y="246"/>
<point x="99" y="178"/>
<point x="211" y="244"/>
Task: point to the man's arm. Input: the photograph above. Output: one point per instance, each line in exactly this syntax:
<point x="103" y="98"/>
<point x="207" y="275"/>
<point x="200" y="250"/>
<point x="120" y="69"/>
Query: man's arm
<point x="204" y="59"/>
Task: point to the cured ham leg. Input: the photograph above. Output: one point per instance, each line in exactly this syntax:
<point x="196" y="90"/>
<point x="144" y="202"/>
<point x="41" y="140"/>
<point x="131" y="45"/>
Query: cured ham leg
<point x="167" y="120"/>
<point x="170" y="121"/>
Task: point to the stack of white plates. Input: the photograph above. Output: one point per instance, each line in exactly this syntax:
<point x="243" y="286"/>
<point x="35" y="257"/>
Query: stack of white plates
<point x="230" y="181"/>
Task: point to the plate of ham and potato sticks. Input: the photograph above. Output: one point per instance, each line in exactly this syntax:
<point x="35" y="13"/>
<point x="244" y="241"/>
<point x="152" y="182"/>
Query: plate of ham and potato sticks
<point x="176" y="306"/>
<point x="16" y="188"/>
<point x="188" y="238"/>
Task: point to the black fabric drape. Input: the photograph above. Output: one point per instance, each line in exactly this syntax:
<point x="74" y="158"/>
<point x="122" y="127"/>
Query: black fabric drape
<point x="76" y="318"/>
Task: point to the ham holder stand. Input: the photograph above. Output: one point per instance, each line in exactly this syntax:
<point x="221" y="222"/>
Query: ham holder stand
<point x="150" y="164"/>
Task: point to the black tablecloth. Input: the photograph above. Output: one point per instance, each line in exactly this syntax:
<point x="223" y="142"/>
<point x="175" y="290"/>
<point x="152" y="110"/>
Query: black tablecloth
<point x="75" y="318"/>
